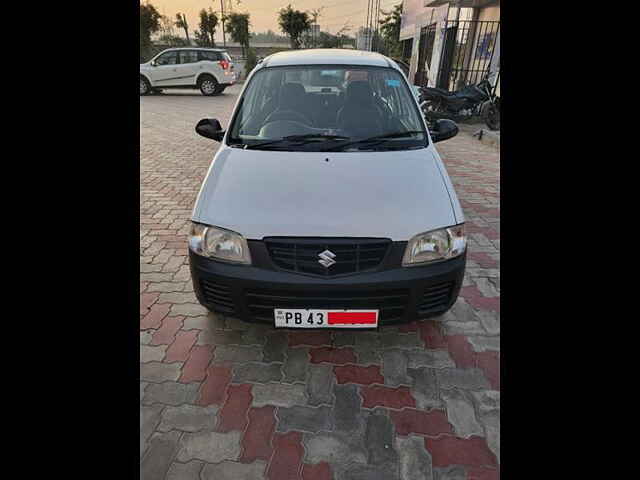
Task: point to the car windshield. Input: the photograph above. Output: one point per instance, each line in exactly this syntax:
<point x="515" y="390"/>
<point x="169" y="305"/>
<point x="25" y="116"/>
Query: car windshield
<point x="327" y="108"/>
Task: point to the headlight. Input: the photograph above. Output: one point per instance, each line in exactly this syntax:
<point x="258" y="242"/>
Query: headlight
<point x="220" y="244"/>
<point x="436" y="245"/>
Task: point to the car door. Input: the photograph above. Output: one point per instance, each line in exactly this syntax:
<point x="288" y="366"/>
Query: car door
<point x="187" y="67"/>
<point x="210" y="63"/>
<point x="165" y="71"/>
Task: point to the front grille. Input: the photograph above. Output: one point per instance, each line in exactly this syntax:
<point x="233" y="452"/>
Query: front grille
<point x="351" y="255"/>
<point x="390" y="303"/>
<point x="435" y="297"/>
<point x="217" y="296"/>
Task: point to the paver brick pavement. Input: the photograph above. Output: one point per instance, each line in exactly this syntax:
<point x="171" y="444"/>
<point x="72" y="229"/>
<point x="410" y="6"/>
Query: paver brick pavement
<point x="221" y="399"/>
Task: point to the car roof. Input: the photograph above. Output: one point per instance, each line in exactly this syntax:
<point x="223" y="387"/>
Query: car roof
<point x="327" y="56"/>
<point x="197" y="48"/>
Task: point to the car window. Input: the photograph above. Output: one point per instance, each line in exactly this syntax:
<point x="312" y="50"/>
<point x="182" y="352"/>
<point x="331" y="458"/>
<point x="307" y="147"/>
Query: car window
<point x="188" y="56"/>
<point x="328" y="101"/>
<point x="168" y="58"/>
<point x="207" y="55"/>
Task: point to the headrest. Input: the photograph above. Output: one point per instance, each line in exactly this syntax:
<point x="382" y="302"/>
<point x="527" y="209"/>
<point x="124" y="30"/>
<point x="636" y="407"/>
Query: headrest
<point x="291" y="95"/>
<point x="359" y="92"/>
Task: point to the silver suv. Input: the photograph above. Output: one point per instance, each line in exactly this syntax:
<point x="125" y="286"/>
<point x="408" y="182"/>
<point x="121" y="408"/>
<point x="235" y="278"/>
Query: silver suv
<point x="208" y="69"/>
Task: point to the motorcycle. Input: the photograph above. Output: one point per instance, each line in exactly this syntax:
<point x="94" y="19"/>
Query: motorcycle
<point x="472" y="100"/>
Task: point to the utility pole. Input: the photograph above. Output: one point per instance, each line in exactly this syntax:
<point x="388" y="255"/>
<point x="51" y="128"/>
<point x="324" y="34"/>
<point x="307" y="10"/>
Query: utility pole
<point x="365" y="29"/>
<point x="377" y="32"/>
<point x="224" y="39"/>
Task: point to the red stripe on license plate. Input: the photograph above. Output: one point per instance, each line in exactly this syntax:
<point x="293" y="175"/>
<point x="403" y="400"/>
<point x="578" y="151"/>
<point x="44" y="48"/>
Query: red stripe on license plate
<point x="352" y="317"/>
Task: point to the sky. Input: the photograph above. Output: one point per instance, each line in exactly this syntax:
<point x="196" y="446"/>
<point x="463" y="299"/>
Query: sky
<point x="263" y="13"/>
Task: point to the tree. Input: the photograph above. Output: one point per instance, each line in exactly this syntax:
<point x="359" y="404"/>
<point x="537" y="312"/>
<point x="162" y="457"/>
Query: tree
<point x="149" y="23"/>
<point x="166" y="27"/>
<point x="208" y="24"/>
<point x="390" y="31"/>
<point x="294" y="23"/>
<point x="237" y="24"/>
<point x="250" y="62"/>
<point x="181" y="22"/>
<point x="326" y="40"/>
<point x="173" y="41"/>
<point x="309" y="38"/>
<point x="268" y="37"/>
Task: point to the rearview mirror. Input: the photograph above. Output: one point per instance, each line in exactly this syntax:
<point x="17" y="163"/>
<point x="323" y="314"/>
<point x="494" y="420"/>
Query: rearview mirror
<point x="443" y="129"/>
<point x="210" y="128"/>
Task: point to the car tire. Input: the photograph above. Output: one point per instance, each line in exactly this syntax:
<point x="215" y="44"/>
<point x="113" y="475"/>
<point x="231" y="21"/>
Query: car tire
<point x="156" y="91"/>
<point x="219" y="89"/>
<point x="145" y="86"/>
<point x="208" y="85"/>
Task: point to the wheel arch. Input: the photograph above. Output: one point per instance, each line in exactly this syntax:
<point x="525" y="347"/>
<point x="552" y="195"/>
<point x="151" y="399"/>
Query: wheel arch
<point x="146" y="78"/>
<point x="205" y="74"/>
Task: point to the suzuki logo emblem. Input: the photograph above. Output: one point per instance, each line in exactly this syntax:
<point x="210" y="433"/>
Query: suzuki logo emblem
<point x="327" y="258"/>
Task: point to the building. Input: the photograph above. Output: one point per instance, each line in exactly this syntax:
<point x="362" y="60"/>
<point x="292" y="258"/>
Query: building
<point x="451" y="43"/>
<point x="364" y="36"/>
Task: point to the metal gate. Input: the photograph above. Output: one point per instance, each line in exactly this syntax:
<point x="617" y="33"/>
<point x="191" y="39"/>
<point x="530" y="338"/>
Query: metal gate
<point x="468" y="49"/>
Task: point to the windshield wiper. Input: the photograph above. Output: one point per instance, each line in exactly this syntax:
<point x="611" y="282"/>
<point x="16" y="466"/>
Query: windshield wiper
<point x="297" y="140"/>
<point x="374" y="140"/>
<point x="314" y="136"/>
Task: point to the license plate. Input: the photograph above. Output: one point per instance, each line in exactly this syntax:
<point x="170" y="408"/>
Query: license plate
<point x="314" y="318"/>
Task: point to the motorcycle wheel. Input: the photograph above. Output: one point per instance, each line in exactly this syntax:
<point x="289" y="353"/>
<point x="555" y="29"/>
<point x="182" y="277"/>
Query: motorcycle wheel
<point x="492" y="117"/>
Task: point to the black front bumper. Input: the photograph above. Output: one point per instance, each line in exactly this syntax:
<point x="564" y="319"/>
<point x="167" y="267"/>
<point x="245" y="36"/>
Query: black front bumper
<point x="401" y="294"/>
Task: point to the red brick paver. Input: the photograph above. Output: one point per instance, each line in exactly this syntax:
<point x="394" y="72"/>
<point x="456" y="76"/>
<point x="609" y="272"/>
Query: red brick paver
<point x="214" y="388"/>
<point x="166" y="334"/>
<point x="309" y="337"/>
<point x="489" y="362"/>
<point x="472" y="451"/>
<point x="233" y="415"/>
<point x="318" y="471"/>
<point x="179" y="350"/>
<point x="286" y="461"/>
<point x="410" y="420"/>
<point x="337" y="356"/>
<point x="378" y="396"/>
<point x="153" y="319"/>
<point x="358" y="374"/>
<point x="195" y="368"/>
<point x="431" y="335"/>
<point x="256" y="443"/>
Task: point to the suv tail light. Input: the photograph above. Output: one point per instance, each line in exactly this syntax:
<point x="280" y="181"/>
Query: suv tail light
<point x="224" y="64"/>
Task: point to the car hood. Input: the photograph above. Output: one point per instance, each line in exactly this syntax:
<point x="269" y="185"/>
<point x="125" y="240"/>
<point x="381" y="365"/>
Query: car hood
<point x="392" y="194"/>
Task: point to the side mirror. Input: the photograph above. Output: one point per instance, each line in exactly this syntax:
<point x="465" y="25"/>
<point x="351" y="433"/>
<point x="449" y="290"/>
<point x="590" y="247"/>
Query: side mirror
<point x="443" y="129"/>
<point x="210" y="128"/>
<point x="153" y="63"/>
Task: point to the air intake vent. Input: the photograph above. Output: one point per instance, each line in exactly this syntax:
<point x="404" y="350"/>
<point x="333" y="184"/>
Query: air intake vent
<point x="218" y="297"/>
<point x="435" y="298"/>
